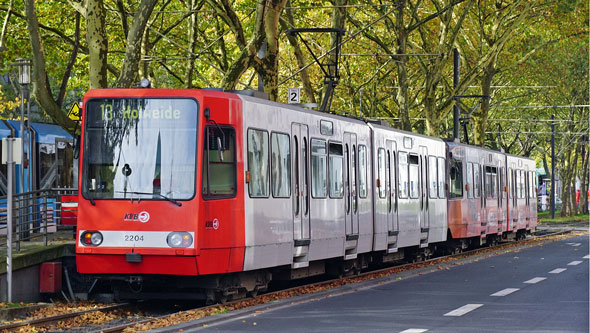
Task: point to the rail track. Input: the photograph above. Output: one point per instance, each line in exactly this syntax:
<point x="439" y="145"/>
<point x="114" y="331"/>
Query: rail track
<point x="199" y="312"/>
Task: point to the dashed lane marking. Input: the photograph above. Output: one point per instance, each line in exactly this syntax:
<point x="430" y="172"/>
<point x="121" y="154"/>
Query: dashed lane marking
<point x="505" y="292"/>
<point x="414" y="330"/>
<point x="557" y="270"/>
<point x="574" y="244"/>
<point x="574" y="263"/>
<point x="587" y="256"/>
<point x="463" y="310"/>
<point x="535" y="280"/>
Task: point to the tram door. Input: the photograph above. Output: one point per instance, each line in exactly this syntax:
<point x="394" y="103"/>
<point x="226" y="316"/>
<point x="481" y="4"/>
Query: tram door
<point x="424" y="204"/>
<point x="300" y="174"/>
<point x="350" y="184"/>
<point x="391" y="188"/>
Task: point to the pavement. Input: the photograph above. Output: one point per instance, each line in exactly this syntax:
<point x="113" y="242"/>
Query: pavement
<point x="537" y="289"/>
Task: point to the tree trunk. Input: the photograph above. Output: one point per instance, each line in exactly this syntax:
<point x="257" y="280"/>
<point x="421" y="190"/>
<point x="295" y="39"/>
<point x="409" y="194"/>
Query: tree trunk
<point x="270" y="68"/>
<point x="130" y="68"/>
<point x="41" y="88"/>
<point x="307" y="86"/>
<point x="402" y="67"/>
<point x="193" y="30"/>
<point x="585" y="177"/>
<point x="96" y="37"/>
<point x="480" y="117"/>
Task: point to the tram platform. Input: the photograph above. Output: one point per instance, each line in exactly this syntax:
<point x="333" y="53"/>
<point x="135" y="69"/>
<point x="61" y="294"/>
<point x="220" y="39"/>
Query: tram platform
<point x="27" y="261"/>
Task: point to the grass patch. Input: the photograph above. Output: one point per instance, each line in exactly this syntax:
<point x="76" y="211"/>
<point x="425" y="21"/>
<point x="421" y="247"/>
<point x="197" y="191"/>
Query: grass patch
<point x="545" y="217"/>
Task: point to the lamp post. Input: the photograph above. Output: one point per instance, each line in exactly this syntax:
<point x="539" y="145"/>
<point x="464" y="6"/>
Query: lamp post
<point x="24" y="79"/>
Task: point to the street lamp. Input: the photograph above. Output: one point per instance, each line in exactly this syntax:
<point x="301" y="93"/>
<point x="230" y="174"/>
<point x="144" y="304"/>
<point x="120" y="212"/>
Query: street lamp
<point x="24" y="79"/>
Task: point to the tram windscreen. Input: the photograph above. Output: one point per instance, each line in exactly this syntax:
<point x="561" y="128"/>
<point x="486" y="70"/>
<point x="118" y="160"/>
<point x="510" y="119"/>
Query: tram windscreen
<point x="140" y="148"/>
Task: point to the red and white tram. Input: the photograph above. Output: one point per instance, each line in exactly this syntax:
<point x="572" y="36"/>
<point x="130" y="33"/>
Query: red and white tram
<point x="203" y="193"/>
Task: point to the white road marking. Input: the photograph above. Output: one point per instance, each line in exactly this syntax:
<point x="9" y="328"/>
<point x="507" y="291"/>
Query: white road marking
<point x="574" y="263"/>
<point x="414" y="330"/>
<point x="574" y="244"/>
<point x="587" y="256"/>
<point x="535" y="280"/>
<point x="463" y="310"/>
<point x="505" y="292"/>
<point x="557" y="270"/>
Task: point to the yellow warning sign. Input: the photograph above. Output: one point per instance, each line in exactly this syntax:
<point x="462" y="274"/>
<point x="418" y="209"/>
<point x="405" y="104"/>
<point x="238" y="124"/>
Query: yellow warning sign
<point x="74" y="112"/>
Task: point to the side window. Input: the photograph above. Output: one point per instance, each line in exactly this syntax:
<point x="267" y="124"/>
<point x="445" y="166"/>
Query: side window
<point x="258" y="163"/>
<point x="390" y="184"/>
<point x="414" y="177"/>
<point x="470" y="180"/>
<point x="318" y="168"/>
<point x="432" y="181"/>
<point x="362" y="171"/>
<point x="441" y="178"/>
<point x="531" y="185"/>
<point x="456" y="179"/>
<point x="335" y="166"/>
<point x="477" y="180"/>
<point x="219" y="162"/>
<point x="353" y="177"/>
<point x="403" y="174"/>
<point x="510" y="183"/>
<point x="491" y="186"/>
<point x="280" y="165"/>
<point x="501" y="183"/>
<point x="381" y="172"/>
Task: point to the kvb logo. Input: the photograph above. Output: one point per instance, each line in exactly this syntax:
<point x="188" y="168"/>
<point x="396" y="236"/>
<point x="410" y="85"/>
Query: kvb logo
<point x="212" y="224"/>
<point x="142" y="217"/>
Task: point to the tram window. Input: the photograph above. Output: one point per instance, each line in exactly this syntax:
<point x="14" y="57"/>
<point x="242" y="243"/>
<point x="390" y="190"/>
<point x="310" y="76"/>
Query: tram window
<point x="219" y="162"/>
<point x="3" y="180"/>
<point x="491" y="186"/>
<point x="347" y="176"/>
<point x="296" y="165"/>
<point x="353" y="181"/>
<point x="65" y="165"/>
<point x="402" y="159"/>
<point x="47" y="165"/>
<point x="432" y="182"/>
<point x="533" y="185"/>
<point x="305" y="180"/>
<point x="280" y="165"/>
<point x="510" y="184"/>
<point x="336" y="185"/>
<point x="388" y="181"/>
<point x="362" y="171"/>
<point x="258" y="163"/>
<point x="318" y="168"/>
<point x="470" y="180"/>
<point x="414" y="177"/>
<point x="381" y="172"/>
<point x="477" y="180"/>
<point x="441" y="178"/>
<point x="456" y="179"/>
<point x="501" y="183"/>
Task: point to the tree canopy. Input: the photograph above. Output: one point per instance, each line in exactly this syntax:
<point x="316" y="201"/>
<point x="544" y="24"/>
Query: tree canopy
<point x="528" y="58"/>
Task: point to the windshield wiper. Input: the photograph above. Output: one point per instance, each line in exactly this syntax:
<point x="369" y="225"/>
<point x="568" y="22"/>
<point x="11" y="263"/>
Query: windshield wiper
<point x="158" y="194"/>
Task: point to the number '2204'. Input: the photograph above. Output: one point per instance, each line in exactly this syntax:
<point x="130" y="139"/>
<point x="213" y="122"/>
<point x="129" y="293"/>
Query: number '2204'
<point x="133" y="238"/>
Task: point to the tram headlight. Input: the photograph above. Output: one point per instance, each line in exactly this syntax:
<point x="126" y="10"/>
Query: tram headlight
<point x="179" y="239"/>
<point x="91" y="238"/>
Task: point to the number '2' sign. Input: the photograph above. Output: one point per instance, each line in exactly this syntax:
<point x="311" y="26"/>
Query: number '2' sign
<point x="294" y="95"/>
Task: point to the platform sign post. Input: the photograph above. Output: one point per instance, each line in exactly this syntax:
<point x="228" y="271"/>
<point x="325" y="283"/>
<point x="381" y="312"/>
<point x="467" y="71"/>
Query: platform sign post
<point x="10" y="157"/>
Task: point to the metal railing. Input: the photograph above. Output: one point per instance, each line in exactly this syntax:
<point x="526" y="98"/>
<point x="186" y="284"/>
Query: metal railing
<point x="37" y="215"/>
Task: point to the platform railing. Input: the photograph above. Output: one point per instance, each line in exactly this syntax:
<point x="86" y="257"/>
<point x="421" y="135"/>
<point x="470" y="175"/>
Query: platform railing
<point x="37" y="215"/>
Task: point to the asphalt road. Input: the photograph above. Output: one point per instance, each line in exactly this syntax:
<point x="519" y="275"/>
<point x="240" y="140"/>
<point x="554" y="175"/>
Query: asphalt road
<point x="539" y="289"/>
